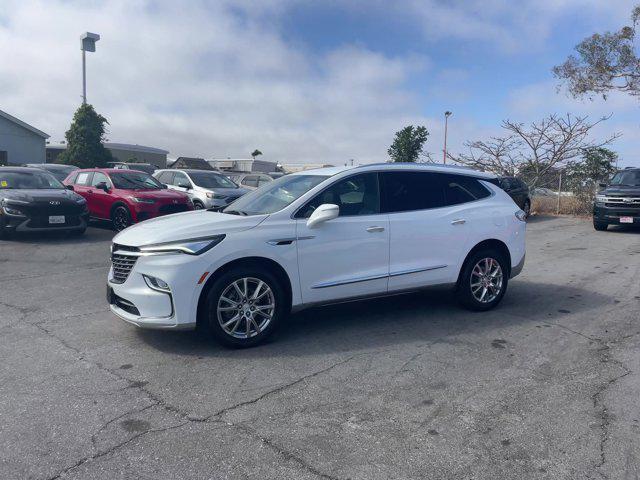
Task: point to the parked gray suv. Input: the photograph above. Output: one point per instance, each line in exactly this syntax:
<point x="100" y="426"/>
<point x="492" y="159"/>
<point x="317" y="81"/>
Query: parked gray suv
<point x="206" y="188"/>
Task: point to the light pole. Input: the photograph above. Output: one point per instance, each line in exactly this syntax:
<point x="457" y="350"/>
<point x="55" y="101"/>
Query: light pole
<point x="447" y="114"/>
<point x="87" y="44"/>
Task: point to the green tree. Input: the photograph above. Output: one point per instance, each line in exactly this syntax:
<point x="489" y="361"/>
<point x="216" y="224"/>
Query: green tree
<point x="596" y="165"/>
<point x="407" y="144"/>
<point x="255" y="153"/>
<point x="84" y="140"/>
<point x="604" y="63"/>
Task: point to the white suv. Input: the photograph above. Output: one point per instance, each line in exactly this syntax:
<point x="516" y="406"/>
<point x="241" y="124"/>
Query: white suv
<point x="317" y="237"/>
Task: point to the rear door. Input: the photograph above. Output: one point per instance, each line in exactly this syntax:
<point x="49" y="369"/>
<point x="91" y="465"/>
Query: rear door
<point x="349" y="255"/>
<point x="430" y="217"/>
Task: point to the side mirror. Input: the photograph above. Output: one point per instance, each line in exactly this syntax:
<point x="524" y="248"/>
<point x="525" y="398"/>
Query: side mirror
<point x="185" y="185"/>
<point x="103" y="186"/>
<point x="324" y="213"/>
<point x="69" y="187"/>
<point x="164" y="185"/>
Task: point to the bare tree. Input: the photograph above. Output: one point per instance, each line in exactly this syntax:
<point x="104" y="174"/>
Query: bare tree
<point x="499" y="155"/>
<point x="552" y="142"/>
<point x="533" y="151"/>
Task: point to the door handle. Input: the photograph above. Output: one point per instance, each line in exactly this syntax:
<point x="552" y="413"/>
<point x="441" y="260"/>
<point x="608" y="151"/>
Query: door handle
<point x="458" y="221"/>
<point x="375" y="229"/>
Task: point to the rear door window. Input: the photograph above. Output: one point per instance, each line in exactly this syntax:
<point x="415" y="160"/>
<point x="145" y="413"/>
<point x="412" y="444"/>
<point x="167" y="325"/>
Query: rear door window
<point x="410" y="190"/>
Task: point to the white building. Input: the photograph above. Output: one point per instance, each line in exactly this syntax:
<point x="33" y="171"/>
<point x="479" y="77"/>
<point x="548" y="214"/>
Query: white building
<point x="20" y="143"/>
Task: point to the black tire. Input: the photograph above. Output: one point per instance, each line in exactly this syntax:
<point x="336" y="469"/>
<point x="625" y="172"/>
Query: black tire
<point x="77" y="233"/>
<point x="600" y="226"/>
<point x="526" y="208"/>
<point x="198" y="205"/>
<point x="211" y="323"/>
<point x="464" y="292"/>
<point x="120" y="218"/>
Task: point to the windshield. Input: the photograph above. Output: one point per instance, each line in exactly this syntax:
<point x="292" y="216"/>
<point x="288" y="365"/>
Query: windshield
<point x="274" y="196"/>
<point x="631" y="179"/>
<point x="59" y="171"/>
<point x="211" y="180"/>
<point x="131" y="180"/>
<point x="28" y="180"/>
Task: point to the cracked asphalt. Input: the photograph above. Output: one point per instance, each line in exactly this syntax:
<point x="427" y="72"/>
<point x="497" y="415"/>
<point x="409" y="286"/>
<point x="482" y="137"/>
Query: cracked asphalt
<point x="546" y="386"/>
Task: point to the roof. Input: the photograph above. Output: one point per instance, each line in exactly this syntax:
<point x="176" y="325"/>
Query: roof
<point x="19" y="122"/>
<point x="427" y="167"/>
<point x="135" y="148"/>
<point x="119" y="146"/>
<point x="109" y="170"/>
<point x="19" y="169"/>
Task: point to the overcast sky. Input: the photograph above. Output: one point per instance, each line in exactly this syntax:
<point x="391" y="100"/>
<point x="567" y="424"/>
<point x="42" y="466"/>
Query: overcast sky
<point x="303" y="81"/>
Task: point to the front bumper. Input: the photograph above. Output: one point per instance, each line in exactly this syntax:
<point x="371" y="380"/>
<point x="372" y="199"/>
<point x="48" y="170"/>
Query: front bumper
<point x="40" y="224"/>
<point x="135" y="302"/>
<point x="517" y="269"/>
<point x="612" y="214"/>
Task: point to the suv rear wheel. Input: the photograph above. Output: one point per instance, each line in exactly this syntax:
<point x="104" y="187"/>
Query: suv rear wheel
<point x="483" y="280"/>
<point x="244" y="307"/>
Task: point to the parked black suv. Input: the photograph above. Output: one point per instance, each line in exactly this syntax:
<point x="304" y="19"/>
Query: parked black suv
<point x="517" y="189"/>
<point x="619" y="202"/>
<point x="32" y="199"/>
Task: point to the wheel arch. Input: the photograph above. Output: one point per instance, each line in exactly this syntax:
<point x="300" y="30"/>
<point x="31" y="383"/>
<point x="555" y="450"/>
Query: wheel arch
<point x="255" y="261"/>
<point x="494" y="244"/>
<point x="116" y="204"/>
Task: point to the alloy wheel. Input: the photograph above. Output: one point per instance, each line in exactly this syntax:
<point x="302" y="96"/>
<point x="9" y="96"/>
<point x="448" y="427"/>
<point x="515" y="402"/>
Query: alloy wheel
<point x="120" y="219"/>
<point x="246" y="307"/>
<point x="486" y="280"/>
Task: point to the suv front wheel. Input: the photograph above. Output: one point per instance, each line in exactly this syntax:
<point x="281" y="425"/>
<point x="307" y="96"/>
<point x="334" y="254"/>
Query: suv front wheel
<point x="244" y="307"/>
<point x="600" y="226"/>
<point x="483" y="280"/>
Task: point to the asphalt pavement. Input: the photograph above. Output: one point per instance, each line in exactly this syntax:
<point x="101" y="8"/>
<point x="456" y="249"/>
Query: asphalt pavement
<point x="545" y="386"/>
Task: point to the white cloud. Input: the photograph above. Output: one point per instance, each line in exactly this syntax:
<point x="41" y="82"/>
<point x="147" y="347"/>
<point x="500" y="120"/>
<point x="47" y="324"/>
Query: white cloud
<point x="201" y="80"/>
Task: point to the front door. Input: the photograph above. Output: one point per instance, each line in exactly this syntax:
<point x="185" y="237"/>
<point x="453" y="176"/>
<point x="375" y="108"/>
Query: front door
<point x="100" y="201"/>
<point x="348" y="256"/>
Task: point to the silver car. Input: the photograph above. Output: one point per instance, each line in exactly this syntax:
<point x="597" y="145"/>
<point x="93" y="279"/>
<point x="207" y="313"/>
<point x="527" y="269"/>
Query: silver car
<point x="206" y="188"/>
<point x="249" y="180"/>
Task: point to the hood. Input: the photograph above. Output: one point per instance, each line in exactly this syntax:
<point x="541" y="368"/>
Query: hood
<point x="181" y="226"/>
<point x="40" y="195"/>
<point x="621" y="190"/>
<point x="164" y="194"/>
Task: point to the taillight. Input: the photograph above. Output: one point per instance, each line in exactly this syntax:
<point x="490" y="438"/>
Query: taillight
<point x="520" y="215"/>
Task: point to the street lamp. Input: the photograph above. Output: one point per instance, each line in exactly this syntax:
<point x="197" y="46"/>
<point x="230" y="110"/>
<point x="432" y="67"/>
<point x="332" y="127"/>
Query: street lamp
<point x="447" y="114"/>
<point x="87" y="44"/>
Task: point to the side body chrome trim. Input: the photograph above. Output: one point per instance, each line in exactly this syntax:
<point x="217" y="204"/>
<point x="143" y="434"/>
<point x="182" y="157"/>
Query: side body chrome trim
<point x="375" y="277"/>
<point x="288" y="241"/>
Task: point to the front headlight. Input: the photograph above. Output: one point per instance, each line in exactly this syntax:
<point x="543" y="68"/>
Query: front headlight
<point x="142" y="200"/>
<point x="9" y="207"/>
<point x="193" y="246"/>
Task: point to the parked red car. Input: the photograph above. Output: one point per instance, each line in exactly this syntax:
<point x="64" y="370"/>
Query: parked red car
<point x="125" y="196"/>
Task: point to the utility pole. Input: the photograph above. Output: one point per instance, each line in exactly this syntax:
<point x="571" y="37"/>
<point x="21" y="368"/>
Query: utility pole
<point x="87" y="44"/>
<point x="447" y="114"/>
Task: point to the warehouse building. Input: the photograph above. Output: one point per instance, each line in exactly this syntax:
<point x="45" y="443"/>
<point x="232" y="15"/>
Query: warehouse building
<point x="121" y="152"/>
<point x="20" y="143"/>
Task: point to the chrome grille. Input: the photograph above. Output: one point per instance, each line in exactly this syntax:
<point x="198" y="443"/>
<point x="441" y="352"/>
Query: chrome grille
<point x="122" y="263"/>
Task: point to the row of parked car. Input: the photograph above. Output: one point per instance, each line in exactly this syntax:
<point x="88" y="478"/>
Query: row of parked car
<point x="61" y="197"/>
